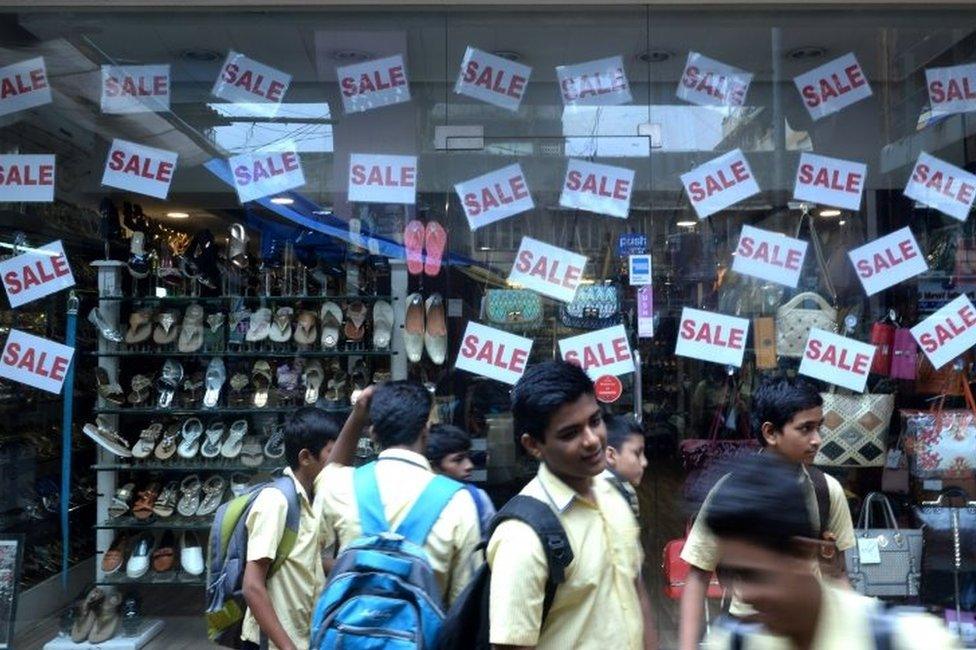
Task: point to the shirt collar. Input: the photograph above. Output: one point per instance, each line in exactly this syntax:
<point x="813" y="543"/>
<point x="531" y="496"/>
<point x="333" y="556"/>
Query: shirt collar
<point x="560" y="494"/>
<point x="408" y="456"/>
<point x="298" y="486"/>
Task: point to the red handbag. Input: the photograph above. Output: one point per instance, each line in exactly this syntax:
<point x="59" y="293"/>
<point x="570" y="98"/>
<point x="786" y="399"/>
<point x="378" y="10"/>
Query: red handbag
<point x="883" y="337"/>
<point x="675" y="572"/>
<point x="904" y="355"/>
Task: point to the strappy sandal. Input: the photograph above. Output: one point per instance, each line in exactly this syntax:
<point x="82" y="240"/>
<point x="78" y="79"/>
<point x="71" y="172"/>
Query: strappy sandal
<point x="237" y="385"/>
<point x="306" y="328"/>
<point x="143" y="508"/>
<point x="190" y="432"/>
<point x="355" y="327"/>
<point x="168" y="382"/>
<point x="121" y="501"/>
<point x="313" y="381"/>
<point x="167" y="446"/>
<point x="275" y="446"/>
<point x="147" y="440"/>
<point x="141" y="385"/>
<point x="140" y="326"/>
<point x="190" y="496"/>
<point x="281" y="330"/>
<point x="261" y="378"/>
<point x="232" y="446"/>
<point x="192" y="389"/>
<point x="213" y="495"/>
<point x="108" y="389"/>
<point x="215" y="433"/>
<point x="166" y="503"/>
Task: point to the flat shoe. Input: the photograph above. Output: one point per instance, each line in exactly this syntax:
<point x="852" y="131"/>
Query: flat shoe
<point x="107" y="332"/>
<point x="260" y="325"/>
<point x="140" y="326"/>
<point x="143" y="508"/>
<point x="435" y="331"/>
<point x="85" y="615"/>
<point x="108" y="389"/>
<point x="382" y="324"/>
<point x="261" y="379"/>
<point x="114" y="557"/>
<point x="413" y="329"/>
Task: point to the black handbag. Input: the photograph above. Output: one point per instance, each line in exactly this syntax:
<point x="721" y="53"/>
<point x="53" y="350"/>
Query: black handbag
<point x="949" y="531"/>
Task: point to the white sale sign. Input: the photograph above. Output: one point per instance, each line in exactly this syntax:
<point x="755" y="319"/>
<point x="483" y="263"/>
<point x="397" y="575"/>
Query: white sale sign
<point x="769" y="256"/>
<point x="37" y="362"/>
<point x="135" y="89"/>
<point x="494" y="196"/>
<point x="373" y="84"/>
<point x="260" y="174"/>
<point x="947" y="333"/>
<point x="719" y="183"/>
<point x="493" y="353"/>
<point x="944" y="187"/>
<point x="602" y="352"/>
<point x="37" y="273"/>
<point x="382" y="178"/>
<point x="710" y="336"/>
<point x="595" y="83"/>
<point x="492" y="79"/>
<point x="833" y="86"/>
<point x="24" y="85"/>
<point x="27" y="178"/>
<point x="245" y="81"/>
<point x="837" y="359"/>
<point x="545" y="269"/>
<point x="888" y="260"/>
<point x="603" y="189"/>
<point x="139" y="169"/>
<point x="830" y="181"/>
<point x="952" y="89"/>
<point x="708" y="82"/>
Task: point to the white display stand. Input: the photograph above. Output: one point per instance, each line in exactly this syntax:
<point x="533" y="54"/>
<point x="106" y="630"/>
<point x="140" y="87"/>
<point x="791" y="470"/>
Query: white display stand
<point x="147" y="632"/>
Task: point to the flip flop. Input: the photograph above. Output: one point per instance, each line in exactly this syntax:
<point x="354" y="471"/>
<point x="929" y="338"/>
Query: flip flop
<point x="189" y="496"/>
<point x="306" y="328"/>
<point x="216" y="376"/>
<point x="331" y="319"/>
<point x="251" y="452"/>
<point x="280" y="330"/>
<point x="166" y="503"/>
<point x="240" y="322"/>
<point x="275" y="446"/>
<point x="213" y="337"/>
<point x="147" y="440"/>
<point x="191" y="431"/>
<point x="121" y="500"/>
<point x="260" y="325"/>
<point x="313" y="381"/>
<point x="108" y="389"/>
<point x="382" y="324"/>
<point x="261" y="379"/>
<point x="140" y="326"/>
<point x="237" y="385"/>
<point x="167" y="446"/>
<point x="213" y="495"/>
<point x="435" y="243"/>
<point x="167" y="327"/>
<point x="288" y="376"/>
<point x="356" y="315"/>
<point x="191" y="333"/>
<point x="168" y="381"/>
<point x="232" y="446"/>
<point x="413" y="241"/>
<point x="212" y="445"/>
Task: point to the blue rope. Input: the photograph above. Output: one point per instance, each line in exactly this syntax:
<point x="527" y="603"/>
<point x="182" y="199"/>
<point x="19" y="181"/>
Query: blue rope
<point x="66" y="416"/>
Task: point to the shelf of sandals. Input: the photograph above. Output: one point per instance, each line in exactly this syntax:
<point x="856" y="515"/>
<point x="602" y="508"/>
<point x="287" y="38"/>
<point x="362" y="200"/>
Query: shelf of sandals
<point x="210" y="380"/>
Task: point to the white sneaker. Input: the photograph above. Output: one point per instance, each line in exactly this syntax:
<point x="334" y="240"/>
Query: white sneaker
<point x="191" y="554"/>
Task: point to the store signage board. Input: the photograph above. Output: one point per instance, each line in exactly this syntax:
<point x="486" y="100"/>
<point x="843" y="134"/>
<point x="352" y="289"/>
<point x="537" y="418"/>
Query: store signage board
<point x="645" y="312"/>
<point x="952" y="89"/>
<point x="382" y="178"/>
<point x="947" y="333"/>
<point x="708" y="82"/>
<point x="24" y="85"/>
<point x="493" y="353"/>
<point x="830" y="181"/>
<point x="492" y="79"/>
<point x="551" y="271"/>
<point x="140" y="169"/>
<point x="941" y="186"/>
<point x="36" y="273"/>
<point x="373" y="84"/>
<point x="713" y="337"/>
<point x="246" y="81"/>
<point x="602" y="352"/>
<point x="837" y="359"/>
<point x="135" y="89"/>
<point x="608" y="389"/>
<point x="888" y="260"/>
<point x="261" y="174"/>
<point x="602" y="82"/>
<point x="37" y="362"/>
<point x="640" y="270"/>
<point x="494" y="196"/>
<point x="769" y="256"/>
<point x="27" y="178"/>
<point x="833" y="86"/>
<point x="631" y="243"/>
<point x="720" y="183"/>
<point x="603" y="189"/>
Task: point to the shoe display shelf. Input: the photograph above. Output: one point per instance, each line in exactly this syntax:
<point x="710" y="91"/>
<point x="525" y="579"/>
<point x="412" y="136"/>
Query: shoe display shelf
<point x="147" y="631"/>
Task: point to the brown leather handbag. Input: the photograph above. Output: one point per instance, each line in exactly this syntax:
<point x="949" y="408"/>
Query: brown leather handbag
<point x="764" y="328"/>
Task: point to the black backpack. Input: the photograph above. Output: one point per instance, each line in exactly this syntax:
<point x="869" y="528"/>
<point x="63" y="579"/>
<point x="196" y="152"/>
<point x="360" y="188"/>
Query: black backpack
<point x="466" y="626"/>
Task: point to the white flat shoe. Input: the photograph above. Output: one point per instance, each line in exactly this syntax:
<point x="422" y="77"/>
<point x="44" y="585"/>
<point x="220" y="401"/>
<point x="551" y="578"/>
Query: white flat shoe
<point x="413" y="328"/>
<point x="382" y="325"/>
<point x="435" y="333"/>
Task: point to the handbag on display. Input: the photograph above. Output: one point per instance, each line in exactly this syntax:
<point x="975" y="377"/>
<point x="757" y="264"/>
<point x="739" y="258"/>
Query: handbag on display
<point x="896" y="477"/>
<point x="594" y="307"/>
<point x="949" y="531"/>
<point x="514" y="309"/>
<point x="944" y="381"/>
<point x="855" y="429"/>
<point x="675" y="572"/>
<point x="943" y="441"/>
<point x="887" y="560"/>
<point x="764" y="336"/>
<point x="904" y="354"/>
<point x="794" y="322"/>
<point x="883" y="338"/>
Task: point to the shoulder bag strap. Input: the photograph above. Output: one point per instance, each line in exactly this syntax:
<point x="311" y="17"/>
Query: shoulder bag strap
<point x="372" y="518"/>
<point x="822" y="492"/>
<point x="821" y="260"/>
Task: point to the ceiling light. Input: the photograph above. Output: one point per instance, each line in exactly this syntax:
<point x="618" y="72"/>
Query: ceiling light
<point x="350" y="55"/>
<point x="841" y="222"/>
<point x="510" y="55"/>
<point x="282" y="200"/>
<point x="686" y="224"/>
<point x="178" y="215"/>
<point x="654" y="56"/>
<point x="806" y="52"/>
<point x="484" y="248"/>
<point x="830" y="212"/>
<point x="200" y="55"/>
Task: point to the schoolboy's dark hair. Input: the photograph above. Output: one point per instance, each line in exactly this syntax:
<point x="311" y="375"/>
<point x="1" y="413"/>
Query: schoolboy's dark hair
<point x="778" y="399"/>
<point x="620" y="428"/>
<point x="761" y="502"/>
<point x="542" y="389"/>
<point x="399" y="411"/>
<point x="308" y="428"/>
<point x="444" y="440"/>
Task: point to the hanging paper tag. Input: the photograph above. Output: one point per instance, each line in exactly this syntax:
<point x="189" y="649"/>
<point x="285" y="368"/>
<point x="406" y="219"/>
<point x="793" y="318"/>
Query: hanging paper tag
<point x="135" y="88"/>
<point x="887" y="261"/>
<point x="833" y="86"/>
<point x="603" y="189"/>
<point x="944" y="187"/>
<point x="494" y="196"/>
<point x="376" y="178"/>
<point x="720" y="183"/>
<point x="27" y="178"/>
<point x="263" y="173"/>
<point x="708" y="82"/>
<point x="140" y="169"/>
<point x="595" y="83"/>
<point x="546" y="269"/>
<point x="243" y="80"/>
<point x="24" y="85"/>
<point x="493" y="353"/>
<point x="868" y="551"/>
<point x="373" y="84"/>
<point x="37" y="362"/>
<point x="492" y="79"/>
<point x="603" y="352"/>
<point x="37" y="273"/>
<point x="645" y="312"/>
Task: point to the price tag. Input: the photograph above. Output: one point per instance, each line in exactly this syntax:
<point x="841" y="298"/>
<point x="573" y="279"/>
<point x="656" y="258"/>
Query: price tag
<point x="868" y="551"/>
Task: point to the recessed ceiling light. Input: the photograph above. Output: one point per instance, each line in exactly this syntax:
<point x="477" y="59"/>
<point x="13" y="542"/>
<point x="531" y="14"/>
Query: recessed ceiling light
<point x="200" y="55"/>
<point x="841" y="222"/>
<point x="510" y="55"/>
<point x="654" y="56"/>
<point x="686" y="224"/>
<point x="282" y="200"/>
<point x="830" y="212"/>
<point x="178" y="215"/>
<point x="806" y="52"/>
<point x="484" y="248"/>
<point x="350" y="55"/>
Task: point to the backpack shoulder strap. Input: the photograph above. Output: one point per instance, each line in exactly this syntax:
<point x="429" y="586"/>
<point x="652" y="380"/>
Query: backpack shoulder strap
<point x="473" y="491"/>
<point x="372" y="518"/>
<point x="882" y="628"/>
<point x="540" y="518"/>
<point x="287" y="487"/>
<point x="823" y="496"/>
<point x="427" y="509"/>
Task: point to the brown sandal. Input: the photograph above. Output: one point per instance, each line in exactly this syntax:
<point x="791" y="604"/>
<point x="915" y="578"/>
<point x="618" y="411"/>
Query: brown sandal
<point x="356" y="319"/>
<point x="143" y="508"/>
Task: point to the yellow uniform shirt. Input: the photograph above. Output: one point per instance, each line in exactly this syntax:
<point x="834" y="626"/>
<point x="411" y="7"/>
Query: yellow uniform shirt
<point x="402" y="475"/>
<point x="597" y="606"/>
<point x="844" y="624"/>
<point x="701" y="547"/>
<point x="296" y="585"/>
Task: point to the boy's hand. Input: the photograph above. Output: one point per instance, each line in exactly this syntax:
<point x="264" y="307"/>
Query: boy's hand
<point x="361" y="407"/>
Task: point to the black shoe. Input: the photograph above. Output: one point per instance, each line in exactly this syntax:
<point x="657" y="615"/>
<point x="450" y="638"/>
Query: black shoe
<point x="131" y="614"/>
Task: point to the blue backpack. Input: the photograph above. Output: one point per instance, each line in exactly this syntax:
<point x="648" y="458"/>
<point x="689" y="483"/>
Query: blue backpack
<point x="382" y="592"/>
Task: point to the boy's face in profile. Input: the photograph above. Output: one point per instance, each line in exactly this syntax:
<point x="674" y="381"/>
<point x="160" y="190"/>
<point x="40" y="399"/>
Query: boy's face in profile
<point x="628" y="461"/>
<point x="799" y="439"/>
<point x="457" y="466"/>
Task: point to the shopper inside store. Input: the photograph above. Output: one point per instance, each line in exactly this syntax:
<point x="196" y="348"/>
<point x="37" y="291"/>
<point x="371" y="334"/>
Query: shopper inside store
<point x="474" y="327"/>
